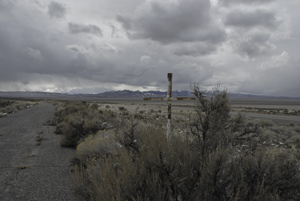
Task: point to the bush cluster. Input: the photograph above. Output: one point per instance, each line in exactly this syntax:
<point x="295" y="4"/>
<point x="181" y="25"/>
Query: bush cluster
<point x="8" y="106"/>
<point x="5" y="103"/>
<point x="221" y="158"/>
<point x="76" y="121"/>
<point x="140" y="164"/>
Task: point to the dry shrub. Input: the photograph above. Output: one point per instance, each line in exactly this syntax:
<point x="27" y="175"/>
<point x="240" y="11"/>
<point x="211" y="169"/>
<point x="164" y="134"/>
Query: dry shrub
<point x="267" y="136"/>
<point x="121" y="108"/>
<point x="213" y="126"/>
<point x="5" y="103"/>
<point x="72" y="133"/>
<point x="96" y="146"/>
<point x="153" y="169"/>
<point x="11" y="106"/>
<point x="148" y="167"/>
<point x="266" y="123"/>
<point x="63" y="112"/>
<point x="79" y="120"/>
<point x="261" y="175"/>
<point x="293" y="140"/>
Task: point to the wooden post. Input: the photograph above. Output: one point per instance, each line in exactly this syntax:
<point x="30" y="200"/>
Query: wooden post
<point x="169" y="105"/>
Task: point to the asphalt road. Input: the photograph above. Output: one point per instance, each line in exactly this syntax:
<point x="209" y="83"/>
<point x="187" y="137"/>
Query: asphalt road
<point x="29" y="171"/>
<point x="276" y="118"/>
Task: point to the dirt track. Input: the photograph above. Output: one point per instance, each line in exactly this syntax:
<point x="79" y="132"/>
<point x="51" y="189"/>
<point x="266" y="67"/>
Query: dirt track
<point x="29" y="171"/>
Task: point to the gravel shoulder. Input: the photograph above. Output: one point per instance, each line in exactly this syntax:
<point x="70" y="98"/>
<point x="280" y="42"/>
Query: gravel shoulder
<point x="33" y="166"/>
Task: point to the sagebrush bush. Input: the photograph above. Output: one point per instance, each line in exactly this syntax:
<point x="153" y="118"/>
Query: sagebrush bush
<point x="96" y="146"/>
<point x="72" y="133"/>
<point x="260" y="175"/>
<point x="266" y="123"/>
<point x="148" y="167"/>
<point x="77" y="121"/>
<point x="212" y="125"/>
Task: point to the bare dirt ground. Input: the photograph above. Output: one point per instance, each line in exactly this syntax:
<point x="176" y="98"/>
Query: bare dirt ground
<point x="33" y="166"/>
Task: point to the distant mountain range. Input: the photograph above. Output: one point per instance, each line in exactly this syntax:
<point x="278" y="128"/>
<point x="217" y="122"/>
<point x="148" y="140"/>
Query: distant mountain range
<point x="142" y="94"/>
<point x="108" y="94"/>
<point x="120" y="94"/>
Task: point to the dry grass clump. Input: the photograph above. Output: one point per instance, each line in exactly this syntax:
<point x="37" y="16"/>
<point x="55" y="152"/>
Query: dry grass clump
<point x="38" y="139"/>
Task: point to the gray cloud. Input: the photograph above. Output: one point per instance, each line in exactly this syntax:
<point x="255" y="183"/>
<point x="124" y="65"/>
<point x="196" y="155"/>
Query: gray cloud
<point x="253" y="45"/>
<point x="186" y="37"/>
<point x="76" y="48"/>
<point x="194" y="49"/>
<point x="282" y="80"/>
<point x="56" y="10"/>
<point x="246" y="19"/>
<point x="278" y="61"/>
<point x="34" y="54"/>
<point x="247" y="2"/>
<point x="6" y="5"/>
<point x="75" y="28"/>
<point x="187" y="21"/>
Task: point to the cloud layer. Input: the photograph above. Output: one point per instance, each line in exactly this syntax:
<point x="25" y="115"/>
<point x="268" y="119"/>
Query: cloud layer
<point x="93" y="46"/>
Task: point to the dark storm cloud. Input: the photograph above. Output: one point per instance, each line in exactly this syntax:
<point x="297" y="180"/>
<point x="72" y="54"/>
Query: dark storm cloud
<point x="187" y="21"/>
<point x="56" y="10"/>
<point x="246" y="19"/>
<point x="75" y="28"/>
<point x="235" y="2"/>
<point x="196" y="40"/>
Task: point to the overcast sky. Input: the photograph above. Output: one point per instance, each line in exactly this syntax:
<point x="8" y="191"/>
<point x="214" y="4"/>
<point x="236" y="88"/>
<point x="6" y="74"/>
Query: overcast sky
<point x="91" y="46"/>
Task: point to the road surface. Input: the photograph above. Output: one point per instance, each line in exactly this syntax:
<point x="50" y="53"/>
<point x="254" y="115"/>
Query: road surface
<point x="33" y="166"/>
<point x="276" y="118"/>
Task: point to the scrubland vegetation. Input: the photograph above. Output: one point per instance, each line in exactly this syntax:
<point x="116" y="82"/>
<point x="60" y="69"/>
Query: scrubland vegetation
<point x="8" y="106"/>
<point x="123" y="154"/>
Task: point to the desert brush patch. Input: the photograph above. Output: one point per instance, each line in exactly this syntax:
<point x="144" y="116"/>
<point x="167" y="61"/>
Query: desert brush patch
<point x="122" y="152"/>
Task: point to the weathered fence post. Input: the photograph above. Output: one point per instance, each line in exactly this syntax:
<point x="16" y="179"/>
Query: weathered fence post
<point x="169" y="99"/>
<point x="169" y="105"/>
